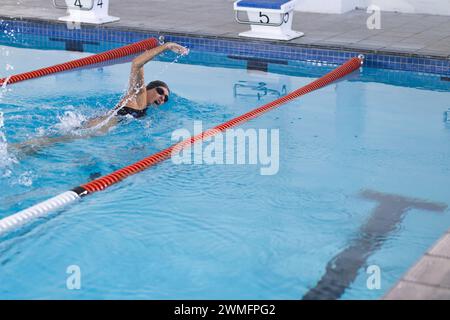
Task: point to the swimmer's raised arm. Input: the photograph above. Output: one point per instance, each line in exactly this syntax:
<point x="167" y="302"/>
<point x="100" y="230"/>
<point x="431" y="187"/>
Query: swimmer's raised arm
<point x="136" y="95"/>
<point x="148" y="55"/>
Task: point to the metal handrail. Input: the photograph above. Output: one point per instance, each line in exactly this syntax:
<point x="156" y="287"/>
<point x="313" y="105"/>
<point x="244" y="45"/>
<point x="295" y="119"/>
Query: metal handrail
<point x="56" y="5"/>
<point x="282" y="16"/>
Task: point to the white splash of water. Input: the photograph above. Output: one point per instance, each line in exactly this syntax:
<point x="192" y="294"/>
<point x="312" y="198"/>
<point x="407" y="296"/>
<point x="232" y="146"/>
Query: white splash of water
<point x="168" y="65"/>
<point x="6" y="160"/>
<point x="5" y="83"/>
<point x="69" y="122"/>
<point x="10" y="33"/>
<point x="74" y="123"/>
<point x="26" y="179"/>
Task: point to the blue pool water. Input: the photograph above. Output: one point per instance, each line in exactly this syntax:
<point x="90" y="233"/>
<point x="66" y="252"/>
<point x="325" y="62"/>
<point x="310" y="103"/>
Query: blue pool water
<point x="221" y="231"/>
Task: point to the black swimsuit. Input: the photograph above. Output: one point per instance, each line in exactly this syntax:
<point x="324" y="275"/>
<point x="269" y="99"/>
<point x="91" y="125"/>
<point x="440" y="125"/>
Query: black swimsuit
<point x="133" y="112"/>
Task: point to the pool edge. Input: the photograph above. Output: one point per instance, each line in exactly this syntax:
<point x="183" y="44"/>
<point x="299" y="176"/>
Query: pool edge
<point x="376" y="58"/>
<point x="423" y="281"/>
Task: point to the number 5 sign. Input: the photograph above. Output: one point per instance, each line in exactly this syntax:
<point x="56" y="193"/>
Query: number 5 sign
<point x="268" y="20"/>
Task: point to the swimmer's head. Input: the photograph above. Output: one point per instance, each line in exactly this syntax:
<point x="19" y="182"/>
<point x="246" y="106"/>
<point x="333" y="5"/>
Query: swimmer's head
<point x="157" y="92"/>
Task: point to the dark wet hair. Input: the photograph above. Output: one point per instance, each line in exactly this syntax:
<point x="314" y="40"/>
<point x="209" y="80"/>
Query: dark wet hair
<point x="157" y="83"/>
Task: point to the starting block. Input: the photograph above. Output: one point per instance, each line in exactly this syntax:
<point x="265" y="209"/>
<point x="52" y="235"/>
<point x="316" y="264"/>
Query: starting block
<point x="86" y="11"/>
<point x="268" y="19"/>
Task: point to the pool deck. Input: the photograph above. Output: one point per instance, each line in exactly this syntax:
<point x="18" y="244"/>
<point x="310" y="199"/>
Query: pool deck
<point x="429" y="278"/>
<point x="410" y="34"/>
<point x="401" y="34"/>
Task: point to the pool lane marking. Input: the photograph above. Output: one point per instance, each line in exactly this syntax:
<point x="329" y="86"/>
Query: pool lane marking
<point x="113" y="54"/>
<point x="116" y="176"/>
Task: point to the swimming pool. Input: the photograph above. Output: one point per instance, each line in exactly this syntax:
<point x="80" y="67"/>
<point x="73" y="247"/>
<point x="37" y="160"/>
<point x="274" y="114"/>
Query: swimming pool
<point x="373" y="146"/>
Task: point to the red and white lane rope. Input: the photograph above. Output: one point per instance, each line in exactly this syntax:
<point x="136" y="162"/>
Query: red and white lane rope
<point x="83" y="62"/>
<point x="43" y="208"/>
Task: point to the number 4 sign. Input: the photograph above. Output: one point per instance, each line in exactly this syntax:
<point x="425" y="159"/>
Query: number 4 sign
<point x="88" y="11"/>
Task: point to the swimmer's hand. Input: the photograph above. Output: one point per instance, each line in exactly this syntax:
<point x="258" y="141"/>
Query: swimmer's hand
<point x="175" y="47"/>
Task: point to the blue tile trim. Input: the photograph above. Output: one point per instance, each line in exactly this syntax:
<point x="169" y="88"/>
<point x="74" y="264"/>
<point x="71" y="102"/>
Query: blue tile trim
<point x="34" y="34"/>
